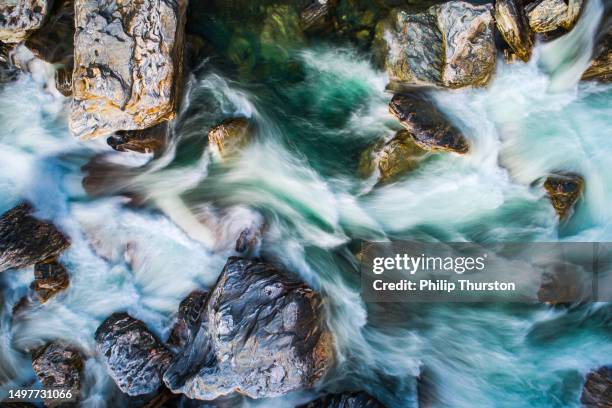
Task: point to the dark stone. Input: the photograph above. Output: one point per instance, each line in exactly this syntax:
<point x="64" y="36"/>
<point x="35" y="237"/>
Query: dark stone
<point x="597" y="390"/>
<point x="8" y="72"/>
<point x="50" y="277"/>
<point x="317" y="15"/>
<point x="514" y="27"/>
<point x="151" y="140"/>
<point x="349" y="400"/>
<point x="430" y="129"/>
<point x="58" y="365"/>
<point x="54" y="41"/>
<point x="135" y="358"/>
<point x="601" y="64"/>
<point x="248" y="240"/>
<point x="63" y="81"/>
<point x="262" y="334"/>
<point x="188" y="319"/>
<point x="564" y="189"/>
<point x="26" y="240"/>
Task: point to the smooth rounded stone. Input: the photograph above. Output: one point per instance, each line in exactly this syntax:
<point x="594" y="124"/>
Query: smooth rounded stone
<point x="601" y="64"/>
<point x="151" y="140"/>
<point x="128" y="64"/>
<point x="134" y="357"/>
<point x="19" y="18"/>
<point x="392" y="159"/>
<point x="50" y="277"/>
<point x="188" y="319"/>
<point x="429" y="128"/>
<point x="597" y="390"/>
<point x="26" y="240"/>
<point x="58" y="365"/>
<point x="229" y="137"/>
<point x="514" y="27"/>
<point x="263" y="334"/>
<point x="317" y="15"/>
<point x="345" y="400"/>
<point x="549" y="15"/>
<point x="450" y="45"/>
<point x="564" y="189"/>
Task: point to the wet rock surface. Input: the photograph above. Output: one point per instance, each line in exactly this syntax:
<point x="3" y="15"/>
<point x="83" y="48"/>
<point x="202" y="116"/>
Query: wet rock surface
<point x="188" y="319"/>
<point x="451" y="45"/>
<point x="229" y="137"/>
<point x="393" y="158"/>
<point x="50" y="277"/>
<point x="58" y="365"/>
<point x="549" y="15"/>
<point x="151" y="140"/>
<point x="135" y="358"/>
<point x="514" y="27"/>
<point x="317" y="15"/>
<point x="564" y="189"/>
<point x="20" y="18"/>
<point x="262" y="334"/>
<point x="26" y="240"/>
<point x="345" y="400"/>
<point x="601" y="65"/>
<point x="429" y="128"/>
<point x="597" y="390"/>
<point x="128" y="64"/>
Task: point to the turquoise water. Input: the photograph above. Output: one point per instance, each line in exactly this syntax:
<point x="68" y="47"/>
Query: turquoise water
<point x="316" y="108"/>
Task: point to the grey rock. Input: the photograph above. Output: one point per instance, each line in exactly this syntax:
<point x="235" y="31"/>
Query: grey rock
<point x="135" y="358"/>
<point x="429" y="128"/>
<point x="514" y="27"/>
<point x="262" y="334"/>
<point x="188" y="319"/>
<point x="128" y="64"/>
<point x="549" y="15"/>
<point x="345" y="400"/>
<point x="564" y="189"/>
<point x="58" y="365"/>
<point x="450" y="45"/>
<point x="26" y="240"/>
<point x="50" y="277"/>
<point x="20" y="17"/>
<point x="597" y="390"/>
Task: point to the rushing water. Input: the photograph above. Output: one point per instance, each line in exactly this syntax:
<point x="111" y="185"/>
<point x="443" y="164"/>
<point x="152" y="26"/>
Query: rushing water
<point x="298" y="180"/>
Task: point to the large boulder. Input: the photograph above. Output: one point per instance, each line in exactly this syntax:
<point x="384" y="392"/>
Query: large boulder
<point x="514" y="27"/>
<point x="19" y="18"/>
<point x="346" y="400"/>
<point x="50" y="277"/>
<point x="188" y="319"/>
<point x="262" y="334"/>
<point x="429" y="128"/>
<point x="564" y="189"/>
<point x="127" y="64"/>
<point x="393" y="158"/>
<point x="135" y="358"/>
<point x="451" y="45"/>
<point x="26" y="240"/>
<point x="545" y="16"/>
<point x="601" y="64"/>
<point x="597" y="390"/>
<point x="59" y="366"/>
<point x="229" y="137"/>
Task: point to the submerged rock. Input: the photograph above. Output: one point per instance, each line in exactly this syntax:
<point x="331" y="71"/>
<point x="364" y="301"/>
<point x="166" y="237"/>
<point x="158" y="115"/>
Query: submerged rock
<point x="429" y="128"/>
<point x="188" y="319"/>
<point x="346" y="400"/>
<point x="514" y="27"/>
<point x="597" y="390"/>
<point x="8" y="72"/>
<point x="135" y="358"/>
<point x="451" y="45"/>
<point x="262" y="334"/>
<point x="317" y="15"/>
<point x="19" y="18"/>
<point x="564" y="190"/>
<point x="58" y="365"/>
<point x="50" y="277"/>
<point x="550" y="15"/>
<point x="393" y="158"/>
<point x="228" y="138"/>
<point x="601" y="64"/>
<point x="128" y="64"/>
<point x="151" y="140"/>
<point x="26" y="240"/>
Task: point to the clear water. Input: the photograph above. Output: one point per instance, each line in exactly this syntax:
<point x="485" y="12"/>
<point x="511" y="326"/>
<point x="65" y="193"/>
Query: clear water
<point x="298" y="177"/>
